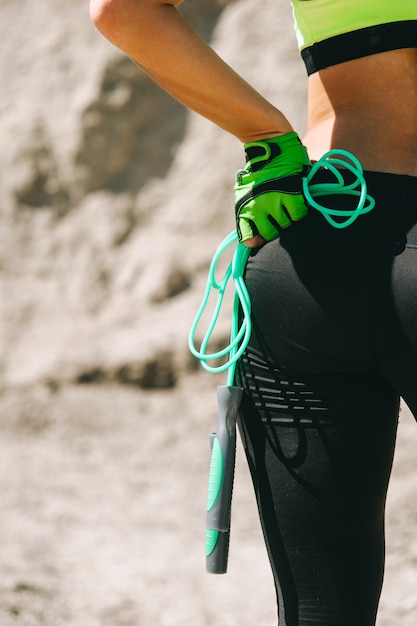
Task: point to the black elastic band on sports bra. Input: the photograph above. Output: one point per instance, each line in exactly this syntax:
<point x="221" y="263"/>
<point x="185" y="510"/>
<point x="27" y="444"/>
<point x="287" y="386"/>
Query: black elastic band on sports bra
<point x="360" y="43"/>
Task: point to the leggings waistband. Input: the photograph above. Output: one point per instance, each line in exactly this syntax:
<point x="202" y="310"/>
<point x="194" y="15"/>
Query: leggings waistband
<point x="395" y="190"/>
<point x="394" y="218"/>
<point x="398" y="190"/>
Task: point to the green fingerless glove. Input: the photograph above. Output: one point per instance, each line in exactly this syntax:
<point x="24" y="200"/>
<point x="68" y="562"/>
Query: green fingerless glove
<point x="268" y="192"/>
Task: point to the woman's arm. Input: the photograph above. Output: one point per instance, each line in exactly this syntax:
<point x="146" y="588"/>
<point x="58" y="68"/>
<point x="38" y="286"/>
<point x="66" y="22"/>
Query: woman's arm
<point x="159" y="40"/>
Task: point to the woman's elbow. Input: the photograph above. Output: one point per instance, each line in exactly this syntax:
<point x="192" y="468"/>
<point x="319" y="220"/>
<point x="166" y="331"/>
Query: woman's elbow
<point x="109" y="16"/>
<point x="106" y="14"/>
<point x="98" y="10"/>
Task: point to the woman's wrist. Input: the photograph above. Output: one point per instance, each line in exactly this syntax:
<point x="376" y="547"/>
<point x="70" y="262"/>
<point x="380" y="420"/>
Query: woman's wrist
<point x="259" y="136"/>
<point x="276" y="126"/>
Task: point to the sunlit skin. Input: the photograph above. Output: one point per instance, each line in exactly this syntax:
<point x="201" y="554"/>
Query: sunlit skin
<point x="367" y="106"/>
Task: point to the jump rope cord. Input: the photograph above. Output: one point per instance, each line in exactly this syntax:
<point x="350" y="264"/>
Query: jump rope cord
<point x="240" y="335"/>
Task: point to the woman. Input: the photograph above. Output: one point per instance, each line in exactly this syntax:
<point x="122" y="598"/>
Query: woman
<point x="334" y="342"/>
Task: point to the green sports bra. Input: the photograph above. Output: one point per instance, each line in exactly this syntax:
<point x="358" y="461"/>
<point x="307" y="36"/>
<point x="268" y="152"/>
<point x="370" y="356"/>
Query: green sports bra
<point x="333" y="31"/>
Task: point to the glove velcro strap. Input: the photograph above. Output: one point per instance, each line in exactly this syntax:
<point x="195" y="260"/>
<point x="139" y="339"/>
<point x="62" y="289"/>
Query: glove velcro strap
<point x="291" y="185"/>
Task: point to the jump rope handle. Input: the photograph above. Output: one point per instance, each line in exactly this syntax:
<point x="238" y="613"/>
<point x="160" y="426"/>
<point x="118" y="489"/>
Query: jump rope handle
<point x="221" y="475"/>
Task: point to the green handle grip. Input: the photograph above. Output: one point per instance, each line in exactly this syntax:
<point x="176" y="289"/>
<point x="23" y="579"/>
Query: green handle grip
<point x="217" y="551"/>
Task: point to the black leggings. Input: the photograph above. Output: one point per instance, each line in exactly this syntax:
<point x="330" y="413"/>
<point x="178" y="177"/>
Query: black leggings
<point x="333" y="348"/>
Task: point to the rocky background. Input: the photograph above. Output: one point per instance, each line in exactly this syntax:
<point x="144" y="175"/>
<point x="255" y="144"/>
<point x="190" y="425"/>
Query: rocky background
<point x="113" y="200"/>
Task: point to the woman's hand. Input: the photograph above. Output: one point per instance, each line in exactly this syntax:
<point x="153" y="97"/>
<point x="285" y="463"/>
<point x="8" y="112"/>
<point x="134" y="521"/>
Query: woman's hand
<point x="269" y="191"/>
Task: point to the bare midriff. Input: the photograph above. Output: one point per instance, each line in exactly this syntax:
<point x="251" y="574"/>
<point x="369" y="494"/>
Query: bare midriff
<point x="369" y="107"/>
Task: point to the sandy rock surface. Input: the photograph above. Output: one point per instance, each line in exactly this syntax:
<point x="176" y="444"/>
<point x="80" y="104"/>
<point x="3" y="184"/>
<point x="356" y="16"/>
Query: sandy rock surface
<point x="114" y="199"/>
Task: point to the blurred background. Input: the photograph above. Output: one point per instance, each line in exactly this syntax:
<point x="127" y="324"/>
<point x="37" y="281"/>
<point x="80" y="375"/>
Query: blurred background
<point x="113" y="201"/>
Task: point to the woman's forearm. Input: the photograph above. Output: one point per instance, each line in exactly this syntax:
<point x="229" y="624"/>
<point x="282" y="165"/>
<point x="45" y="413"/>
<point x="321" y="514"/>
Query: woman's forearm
<point x="160" y="41"/>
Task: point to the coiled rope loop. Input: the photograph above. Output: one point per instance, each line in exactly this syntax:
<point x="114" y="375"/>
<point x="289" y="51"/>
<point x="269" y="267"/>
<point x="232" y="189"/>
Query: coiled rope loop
<point x="333" y="161"/>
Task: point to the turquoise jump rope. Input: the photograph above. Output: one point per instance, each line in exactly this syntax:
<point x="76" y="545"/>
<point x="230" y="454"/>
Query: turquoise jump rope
<point x="223" y="441"/>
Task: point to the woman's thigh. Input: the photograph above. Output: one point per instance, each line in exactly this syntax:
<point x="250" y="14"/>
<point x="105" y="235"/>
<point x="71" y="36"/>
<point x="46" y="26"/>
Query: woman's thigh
<point x="320" y="451"/>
